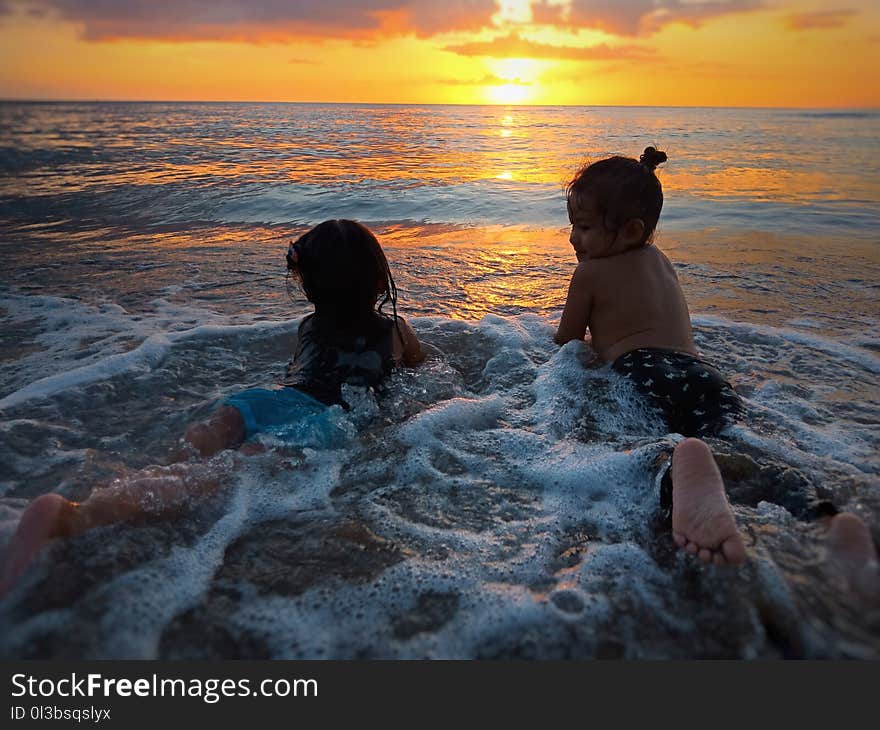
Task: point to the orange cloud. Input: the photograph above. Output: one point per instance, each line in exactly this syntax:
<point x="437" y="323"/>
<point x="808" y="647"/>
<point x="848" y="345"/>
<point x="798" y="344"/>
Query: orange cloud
<point x="430" y="17"/>
<point x="543" y="13"/>
<point x="259" y="21"/>
<point x="514" y="46"/>
<point x="637" y="17"/>
<point x="820" y="19"/>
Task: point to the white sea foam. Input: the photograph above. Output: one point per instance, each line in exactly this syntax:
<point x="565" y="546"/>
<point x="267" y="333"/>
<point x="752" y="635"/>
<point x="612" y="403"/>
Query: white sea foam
<point x="144" y="358"/>
<point x="779" y="335"/>
<point x="111" y="323"/>
<point x="506" y="450"/>
<point x="461" y="414"/>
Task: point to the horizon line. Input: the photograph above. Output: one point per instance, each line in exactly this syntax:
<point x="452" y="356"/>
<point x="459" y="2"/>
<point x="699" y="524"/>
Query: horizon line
<point x="91" y="100"/>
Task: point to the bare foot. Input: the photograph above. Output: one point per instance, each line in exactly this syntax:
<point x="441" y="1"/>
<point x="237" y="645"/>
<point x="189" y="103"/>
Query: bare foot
<point x="852" y="550"/>
<point x="702" y="521"/>
<point x="45" y="518"/>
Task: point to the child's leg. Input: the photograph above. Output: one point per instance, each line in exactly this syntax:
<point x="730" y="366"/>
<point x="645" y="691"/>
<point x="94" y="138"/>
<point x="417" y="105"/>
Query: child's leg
<point x="156" y="490"/>
<point x="153" y="491"/>
<point x="702" y="521"/>
<point x="225" y="429"/>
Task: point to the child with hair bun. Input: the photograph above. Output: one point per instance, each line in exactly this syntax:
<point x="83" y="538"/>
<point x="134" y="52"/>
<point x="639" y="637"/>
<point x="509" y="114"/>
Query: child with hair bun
<point x="627" y="293"/>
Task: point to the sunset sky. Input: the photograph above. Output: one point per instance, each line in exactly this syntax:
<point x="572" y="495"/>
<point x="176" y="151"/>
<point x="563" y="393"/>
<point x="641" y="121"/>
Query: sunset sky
<point x="805" y="53"/>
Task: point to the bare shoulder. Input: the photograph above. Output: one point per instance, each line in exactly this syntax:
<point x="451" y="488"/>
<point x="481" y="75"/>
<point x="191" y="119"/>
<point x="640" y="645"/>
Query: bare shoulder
<point x="404" y="328"/>
<point x="585" y="272"/>
<point x="407" y="348"/>
<point x="661" y="257"/>
<point x="585" y="279"/>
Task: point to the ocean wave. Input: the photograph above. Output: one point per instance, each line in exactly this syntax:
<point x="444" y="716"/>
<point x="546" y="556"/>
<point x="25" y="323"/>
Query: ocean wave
<point x="502" y="489"/>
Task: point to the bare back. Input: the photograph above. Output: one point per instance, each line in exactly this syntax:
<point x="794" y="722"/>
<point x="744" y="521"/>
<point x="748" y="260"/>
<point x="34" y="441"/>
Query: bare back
<point x="628" y="301"/>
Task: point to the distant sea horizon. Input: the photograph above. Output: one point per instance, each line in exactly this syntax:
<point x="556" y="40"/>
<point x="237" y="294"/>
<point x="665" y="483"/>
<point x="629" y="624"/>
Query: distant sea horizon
<point x="91" y="100"/>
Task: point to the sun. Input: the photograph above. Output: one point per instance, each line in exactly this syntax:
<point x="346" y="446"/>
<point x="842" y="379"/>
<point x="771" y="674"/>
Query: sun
<point x="508" y="94"/>
<point x="519" y="75"/>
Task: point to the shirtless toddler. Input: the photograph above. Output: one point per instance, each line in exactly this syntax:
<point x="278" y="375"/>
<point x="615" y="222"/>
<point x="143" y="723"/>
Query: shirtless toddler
<point x="627" y="293"/>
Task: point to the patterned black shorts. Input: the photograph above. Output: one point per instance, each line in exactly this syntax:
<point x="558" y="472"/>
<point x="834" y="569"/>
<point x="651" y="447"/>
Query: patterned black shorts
<point x="693" y="396"/>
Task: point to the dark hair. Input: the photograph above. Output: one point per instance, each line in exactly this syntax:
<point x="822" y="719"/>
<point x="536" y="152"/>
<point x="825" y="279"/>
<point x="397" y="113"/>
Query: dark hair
<point x="622" y="189"/>
<point x="343" y="270"/>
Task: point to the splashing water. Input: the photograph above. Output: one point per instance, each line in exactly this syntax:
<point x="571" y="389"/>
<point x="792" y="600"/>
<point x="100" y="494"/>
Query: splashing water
<point x="499" y="501"/>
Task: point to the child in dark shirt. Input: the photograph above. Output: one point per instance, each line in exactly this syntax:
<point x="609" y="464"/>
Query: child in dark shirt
<point x="347" y="340"/>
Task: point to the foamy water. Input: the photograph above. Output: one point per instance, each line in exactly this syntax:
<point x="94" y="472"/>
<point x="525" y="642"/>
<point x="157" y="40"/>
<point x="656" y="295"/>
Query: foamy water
<point x="500" y="500"/>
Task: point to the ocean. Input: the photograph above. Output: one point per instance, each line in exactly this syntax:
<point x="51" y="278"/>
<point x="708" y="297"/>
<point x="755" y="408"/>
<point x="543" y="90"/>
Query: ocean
<point x="499" y="501"/>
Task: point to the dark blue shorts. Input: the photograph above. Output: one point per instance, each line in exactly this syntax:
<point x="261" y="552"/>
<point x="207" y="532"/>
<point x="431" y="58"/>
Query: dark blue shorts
<point x="693" y="396"/>
<point x="288" y="415"/>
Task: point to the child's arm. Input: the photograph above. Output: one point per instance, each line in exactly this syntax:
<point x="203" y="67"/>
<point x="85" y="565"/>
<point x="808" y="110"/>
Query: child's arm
<point x="409" y="349"/>
<point x="576" y="315"/>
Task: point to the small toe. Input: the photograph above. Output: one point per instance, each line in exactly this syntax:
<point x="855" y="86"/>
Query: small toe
<point x="734" y="550"/>
<point x="679" y="539"/>
<point x="692" y="548"/>
<point x="705" y="555"/>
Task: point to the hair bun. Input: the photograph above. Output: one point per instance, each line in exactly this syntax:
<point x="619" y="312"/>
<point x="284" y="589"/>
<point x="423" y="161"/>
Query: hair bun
<point x="652" y="157"/>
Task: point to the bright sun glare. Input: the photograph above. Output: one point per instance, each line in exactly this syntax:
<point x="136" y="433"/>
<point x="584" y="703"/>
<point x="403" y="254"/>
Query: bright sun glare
<point x="512" y="69"/>
<point x="508" y="94"/>
<point x="520" y="75"/>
